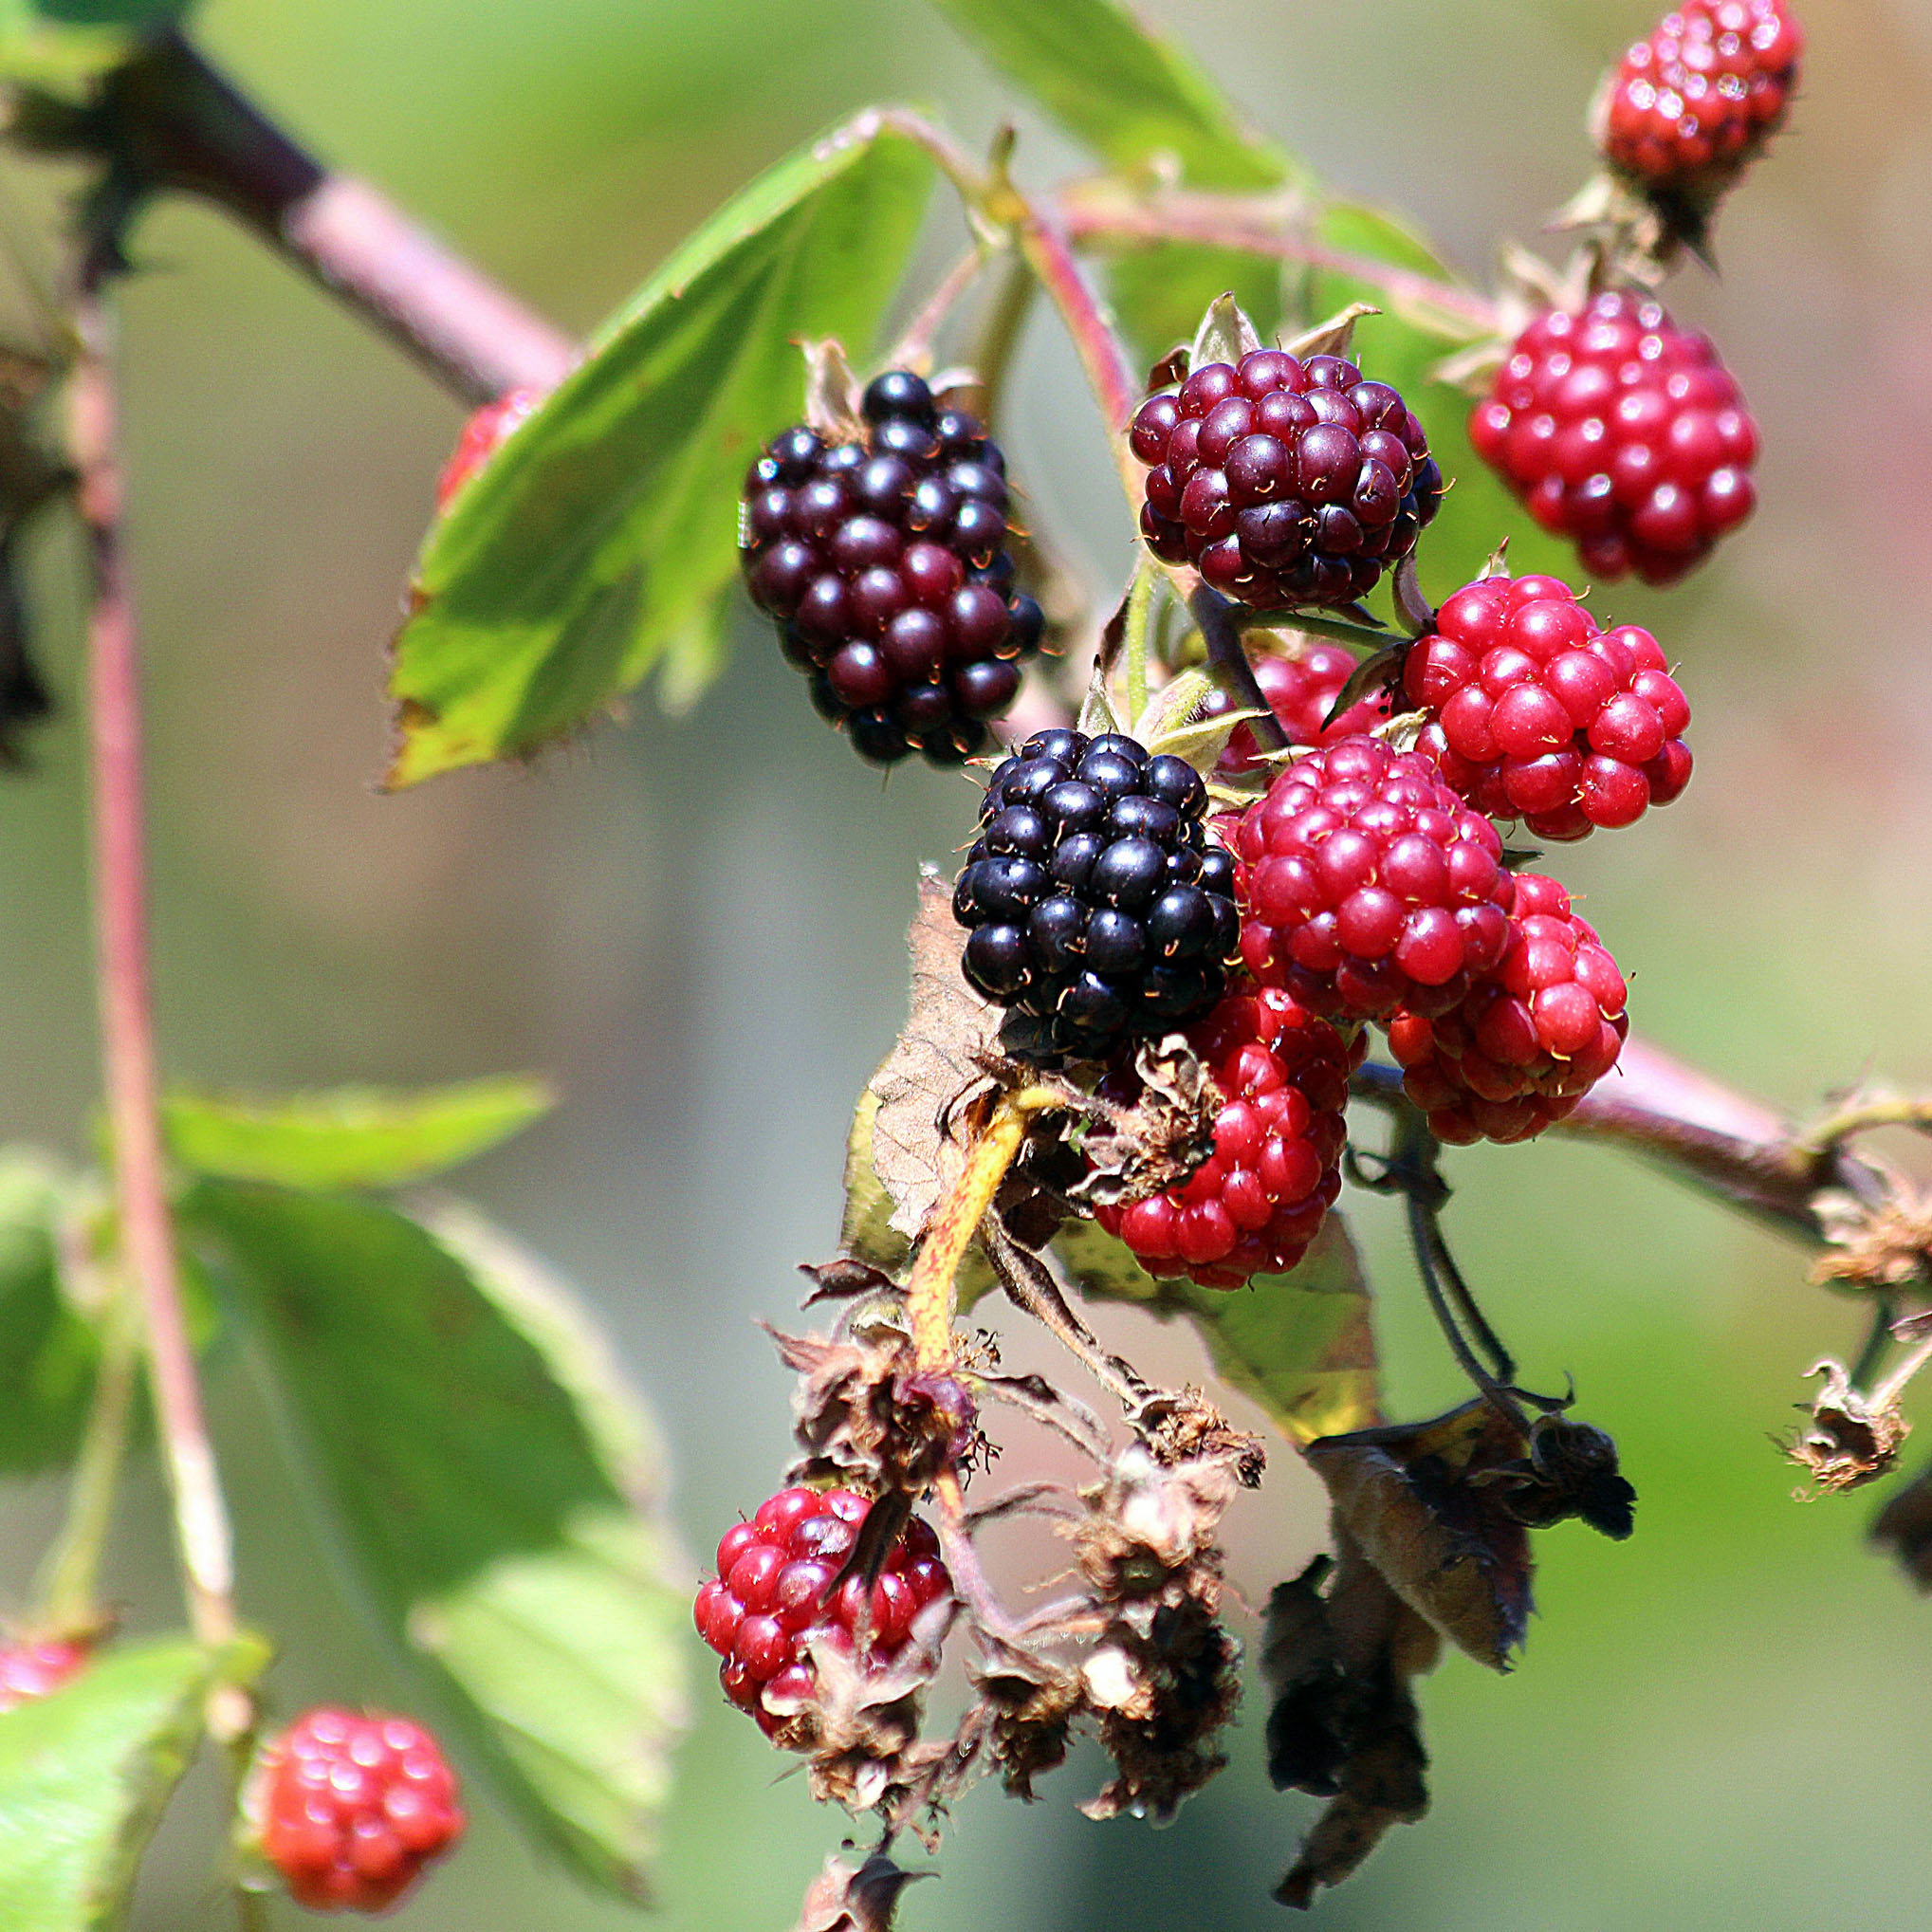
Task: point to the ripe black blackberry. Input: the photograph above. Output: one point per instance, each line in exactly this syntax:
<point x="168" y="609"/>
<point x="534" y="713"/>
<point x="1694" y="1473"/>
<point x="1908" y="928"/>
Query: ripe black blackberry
<point x="1285" y="483"/>
<point x="1094" y="902"/>
<point x="884" y="562"/>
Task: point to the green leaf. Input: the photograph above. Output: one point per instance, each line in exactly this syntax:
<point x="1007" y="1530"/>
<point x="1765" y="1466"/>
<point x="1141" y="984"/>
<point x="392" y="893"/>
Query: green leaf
<point x="1301" y="1344"/>
<point x="353" y="1137"/>
<point x="84" y="1775"/>
<point x="49" y="1351"/>
<point x="1126" y="94"/>
<point x="600" y="543"/>
<point x="491" y="1486"/>
<point x="60" y="44"/>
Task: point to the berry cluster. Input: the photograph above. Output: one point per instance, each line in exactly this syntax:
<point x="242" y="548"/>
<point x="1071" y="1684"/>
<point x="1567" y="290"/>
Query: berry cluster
<point x="1366" y="884"/>
<point x="1255" y="1205"/>
<point x="1530" y="1039"/>
<point x="1094" y="902"/>
<point x="1623" y="431"/>
<point x="772" y="1598"/>
<point x="884" y="560"/>
<point x="353" y="1806"/>
<point x="1301" y="689"/>
<point x="37" y="1667"/>
<point x="1532" y="712"/>
<point x="482" y="435"/>
<point x="1285" y="483"/>
<point x="1687" y="108"/>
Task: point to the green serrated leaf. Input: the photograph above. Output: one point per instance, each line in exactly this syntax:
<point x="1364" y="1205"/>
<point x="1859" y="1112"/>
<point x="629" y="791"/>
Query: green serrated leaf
<point x="86" y="1772"/>
<point x="1301" y="1344"/>
<point x="353" y="1137"/>
<point x="598" y="544"/>
<point x="48" y="1350"/>
<point x="490" y="1483"/>
<point x="1126" y="92"/>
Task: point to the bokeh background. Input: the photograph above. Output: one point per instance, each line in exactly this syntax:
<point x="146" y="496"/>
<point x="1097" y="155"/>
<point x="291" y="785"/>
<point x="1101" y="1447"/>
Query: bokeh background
<point x="695" y="928"/>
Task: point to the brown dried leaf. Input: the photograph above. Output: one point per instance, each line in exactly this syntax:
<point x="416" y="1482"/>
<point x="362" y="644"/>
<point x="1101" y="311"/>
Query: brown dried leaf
<point x="1160" y="1139"/>
<point x="1851" y="1439"/>
<point x="832" y="393"/>
<point x="1225" y="334"/>
<point x="1031" y="1702"/>
<point x="1883" y="1248"/>
<point x="855" y="1898"/>
<point x="1448" y="1545"/>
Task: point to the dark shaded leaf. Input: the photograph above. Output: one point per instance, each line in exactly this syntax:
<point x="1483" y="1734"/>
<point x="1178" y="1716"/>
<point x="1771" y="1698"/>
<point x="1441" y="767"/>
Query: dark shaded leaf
<point x="48" y="1350"/>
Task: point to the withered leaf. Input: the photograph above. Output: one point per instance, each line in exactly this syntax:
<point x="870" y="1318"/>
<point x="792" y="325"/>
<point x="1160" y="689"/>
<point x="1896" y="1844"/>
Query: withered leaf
<point x="846" y="1897"/>
<point x="1032" y="1703"/>
<point x="1448" y="1546"/>
<point x="1158" y="1139"/>
<point x="1851" y="1439"/>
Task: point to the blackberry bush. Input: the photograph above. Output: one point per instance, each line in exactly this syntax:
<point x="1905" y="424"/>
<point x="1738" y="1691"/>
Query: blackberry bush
<point x="1529" y="1040"/>
<point x="778" y="1592"/>
<point x="353" y="1806"/>
<point x="1367" y="884"/>
<point x="1623" y="431"/>
<point x="1534" y="714"/>
<point x="883" y="558"/>
<point x="1285" y="483"/>
<point x="1256" y="1203"/>
<point x="1094" y="902"/>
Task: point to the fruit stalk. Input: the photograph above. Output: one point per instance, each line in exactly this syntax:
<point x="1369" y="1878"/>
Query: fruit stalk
<point x="127" y="1022"/>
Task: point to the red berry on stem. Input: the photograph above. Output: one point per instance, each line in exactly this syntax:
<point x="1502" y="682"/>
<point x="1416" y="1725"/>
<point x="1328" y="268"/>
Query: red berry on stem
<point x="353" y="1806"/>
<point x="482" y="435"/>
<point x="1301" y="690"/>
<point x="1531" y="712"/>
<point x="36" y="1667"/>
<point x="1623" y="431"/>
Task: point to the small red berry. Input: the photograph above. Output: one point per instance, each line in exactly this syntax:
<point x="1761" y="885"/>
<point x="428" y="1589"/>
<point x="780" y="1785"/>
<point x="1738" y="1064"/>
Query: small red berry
<point x="1534" y="714"/>
<point x="1619" y="430"/>
<point x="354" y="1804"/>
<point x="1255" y="1205"/>
<point x="32" y="1668"/>
<point x="1285" y="483"/>
<point x="1529" y="1040"/>
<point x="482" y="435"/>
<point x="1687" y="109"/>
<point x="773" y="1599"/>
<point x="1366" y="884"/>
<point x="1301" y="689"/>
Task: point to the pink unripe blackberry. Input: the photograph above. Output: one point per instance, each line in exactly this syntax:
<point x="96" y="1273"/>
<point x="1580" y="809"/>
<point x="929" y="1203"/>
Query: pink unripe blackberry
<point x="1619" y="430"/>
<point x="1534" y="714"/>
<point x="1301" y="687"/>
<point x="1687" y="109"/>
<point x="36" y="1667"/>
<point x="353" y="1805"/>
<point x="1253" y="1207"/>
<point x="1366" y="884"/>
<point x="1529" y="1040"/>
<point x="774" y="1597"/>
<point x="1285" y="483"/>
<point x="482" y="435"/>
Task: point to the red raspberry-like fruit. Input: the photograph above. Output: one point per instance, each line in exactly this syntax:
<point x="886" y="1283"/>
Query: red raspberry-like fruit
<point x="1366" y="884"/>
<point x="1258" y="1201"/>
<point x="1534" y="714"/>
<point x="884" y="562"/>
<point x="1687" y="109"/>
<point x="1619" y="430"/>
<point x="482" y="435"/>
<point x="1301" y="688"/>
<point x="769" y="1602"/>
<point x="353" y="1806"/>
<point x="1285" y="483"/>
<point x="1530" y="1039"/>
<point x="36" y="1667"/>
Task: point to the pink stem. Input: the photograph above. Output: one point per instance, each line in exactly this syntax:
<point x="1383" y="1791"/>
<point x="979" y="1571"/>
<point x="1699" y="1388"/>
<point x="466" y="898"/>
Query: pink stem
<point x="126" y="999"/>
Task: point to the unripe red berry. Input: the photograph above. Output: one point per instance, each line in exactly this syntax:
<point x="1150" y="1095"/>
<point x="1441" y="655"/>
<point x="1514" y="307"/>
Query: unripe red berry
<point x="1623" y="431"/>
<point x="1366" y="884"/>
<point x="1687" y="109"/>
<point x="1301" y="687"/>
<point x="482" y="435"/>
<point x="1531" y="712"/>
<point x="773" y="1598"/>
<point x="36" y="1667"/>
<point x="1255" y="1205"/>
<point x="353" y="1805"/>
<point x="1529" y="1040"/>
<point x="1285" y="483"/>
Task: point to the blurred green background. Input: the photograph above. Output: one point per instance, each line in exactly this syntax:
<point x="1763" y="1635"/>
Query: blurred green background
<point x="695" y="927"/>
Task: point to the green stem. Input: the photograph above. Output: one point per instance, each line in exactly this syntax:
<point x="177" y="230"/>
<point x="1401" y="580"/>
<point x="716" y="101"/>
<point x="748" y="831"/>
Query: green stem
<point x="1871" y="1357"/>
<point x="72" y="1570"/>
<point x="1140" y="599"/>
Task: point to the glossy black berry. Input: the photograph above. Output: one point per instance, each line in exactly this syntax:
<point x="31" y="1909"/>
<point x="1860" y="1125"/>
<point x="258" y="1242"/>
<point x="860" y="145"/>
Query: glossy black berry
<point x="883" y="560"/>
<point x="1092" y="899"/>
